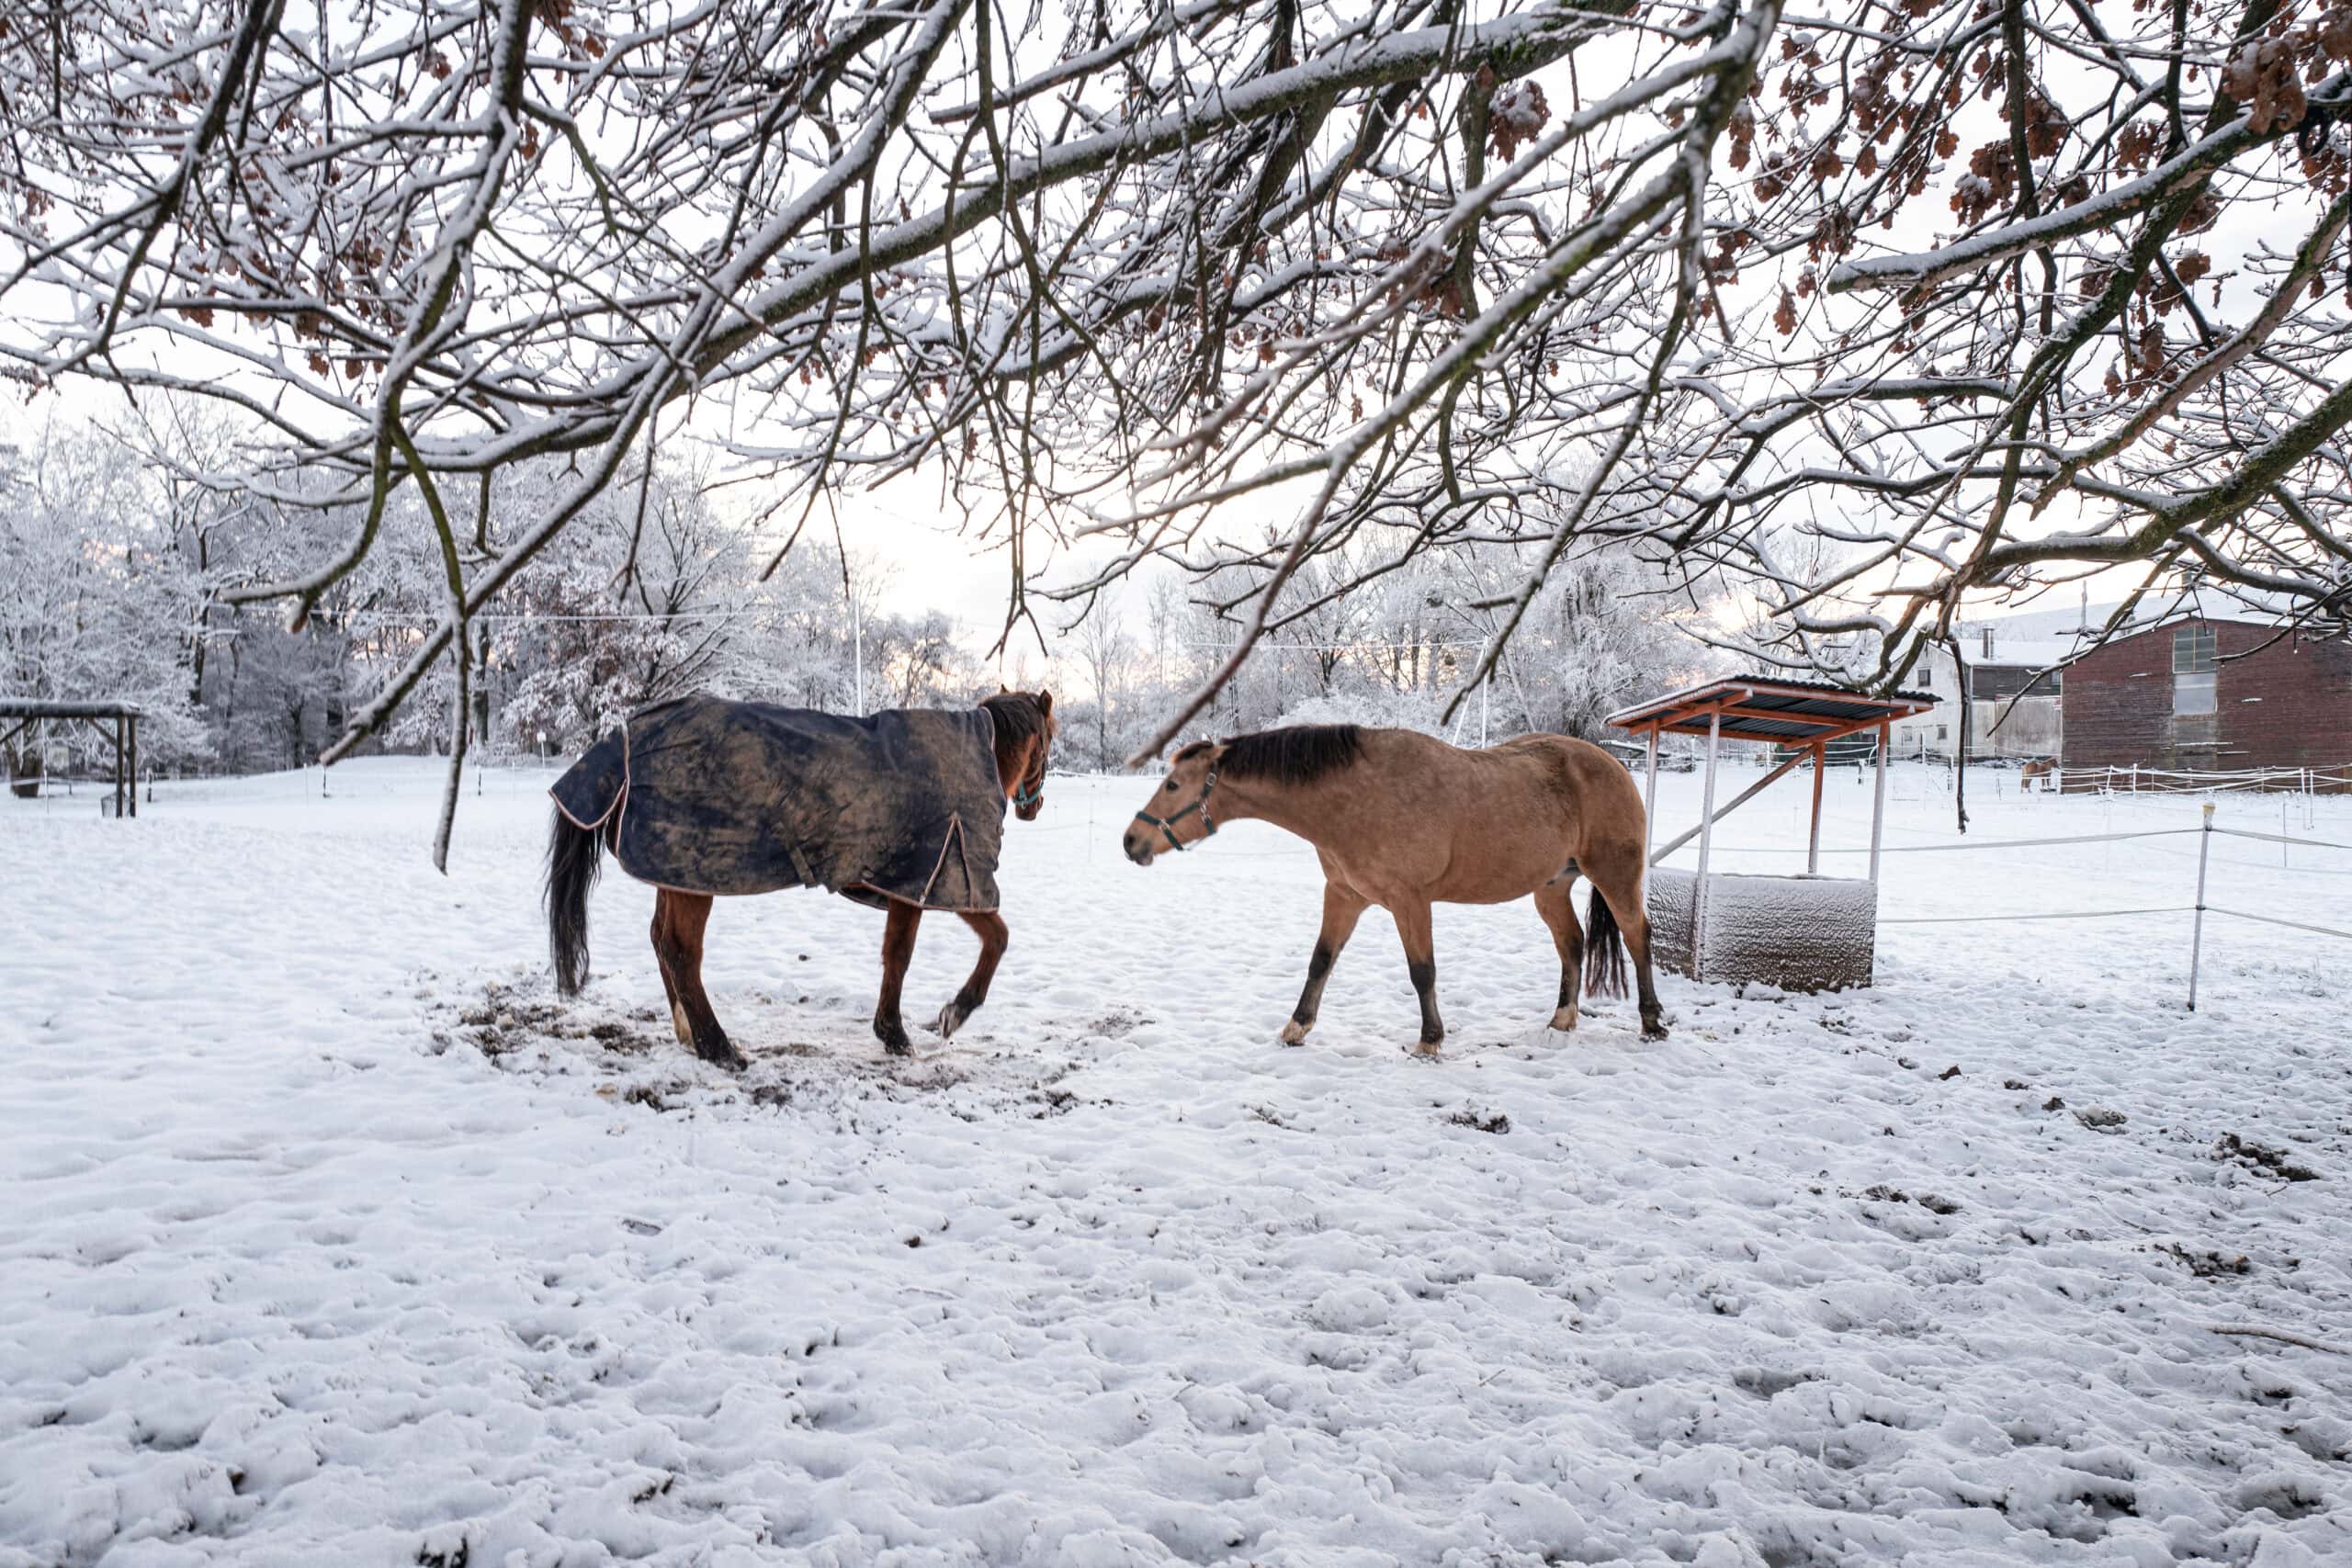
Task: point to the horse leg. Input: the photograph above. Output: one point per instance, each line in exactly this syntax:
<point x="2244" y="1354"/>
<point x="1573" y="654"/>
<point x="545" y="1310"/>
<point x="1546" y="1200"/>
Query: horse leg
<point x="679" y="921"/>
<point x="1617" y="876"/>
<point x="1341" y="909"/>
<point x="1553" y="903"/>
<point x="1420" y="963"/>
<point x="898" y="951"/>
<point x="663" y="915"/>
<point x="995" y="936"/>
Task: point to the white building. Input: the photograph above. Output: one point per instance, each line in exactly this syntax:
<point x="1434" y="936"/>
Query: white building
<point x="2013" y="689"/>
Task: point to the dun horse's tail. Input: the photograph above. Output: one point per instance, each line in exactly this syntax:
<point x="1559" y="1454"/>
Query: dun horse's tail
<point x="574" y="857"/>
<point x="1604" y="949"/>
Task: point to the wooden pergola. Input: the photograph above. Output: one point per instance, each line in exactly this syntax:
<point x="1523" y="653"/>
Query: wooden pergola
<point x="116" y="722"/>
<point x="1800" y="715"/>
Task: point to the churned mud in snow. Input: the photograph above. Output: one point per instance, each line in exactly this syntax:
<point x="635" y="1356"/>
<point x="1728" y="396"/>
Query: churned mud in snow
<point x="331" y="1235"/>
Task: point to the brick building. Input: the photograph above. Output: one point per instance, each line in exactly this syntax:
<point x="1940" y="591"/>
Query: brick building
<point x="2203" y="693"/>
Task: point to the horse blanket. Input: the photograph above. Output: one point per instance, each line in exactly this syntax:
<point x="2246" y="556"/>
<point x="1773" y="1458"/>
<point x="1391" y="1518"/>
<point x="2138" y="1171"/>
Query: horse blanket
<point x="718" y="797"/>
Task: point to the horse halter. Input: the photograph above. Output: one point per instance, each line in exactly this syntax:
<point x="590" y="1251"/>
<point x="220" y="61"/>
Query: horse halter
<point x="1030" y="791"/>
<point x="1167" y="825"/>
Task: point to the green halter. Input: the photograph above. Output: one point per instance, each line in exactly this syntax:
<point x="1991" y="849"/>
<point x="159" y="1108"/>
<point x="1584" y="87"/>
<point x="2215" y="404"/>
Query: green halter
<point x="1167" y="825"/>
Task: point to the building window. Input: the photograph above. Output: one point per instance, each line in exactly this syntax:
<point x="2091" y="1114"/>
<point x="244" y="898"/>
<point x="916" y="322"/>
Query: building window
<point x="2192" y="671"/>
<point x="1943" y="732"/>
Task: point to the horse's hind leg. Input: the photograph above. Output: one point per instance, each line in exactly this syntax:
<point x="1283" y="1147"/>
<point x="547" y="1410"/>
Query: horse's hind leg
<point x="662" y="917"/>
<point x="995" y="936"/>
<point x="1342" y="909"/>
<point x="1553" y="903"/>
<point x="1617" y="877"/>
<point x="1420" y="963"/>
<point x="898" y="951"/>
<point x="679" y="921"/>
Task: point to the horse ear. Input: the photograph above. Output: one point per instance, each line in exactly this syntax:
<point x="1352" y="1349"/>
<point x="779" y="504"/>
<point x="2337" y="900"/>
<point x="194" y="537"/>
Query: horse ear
<point x="1045" y="703"/>
<point x="1002" y="690"/>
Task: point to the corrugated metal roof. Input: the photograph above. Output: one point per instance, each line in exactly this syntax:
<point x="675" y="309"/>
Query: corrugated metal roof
<point x="1769" y="707"/>
<point x="49" y="708"/>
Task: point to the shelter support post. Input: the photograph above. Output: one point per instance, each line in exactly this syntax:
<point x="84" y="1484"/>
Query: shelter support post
<point x="118" y="767"/>
<point x="1750" y="793"/>
<point x="1812" y="843"/>
<point x="1706" y="842"/>
<point x="134" y="766"/>
<point x="1649" y="798"/>
<point x="2197" y="930"/>
<point x="1878" y="803"/>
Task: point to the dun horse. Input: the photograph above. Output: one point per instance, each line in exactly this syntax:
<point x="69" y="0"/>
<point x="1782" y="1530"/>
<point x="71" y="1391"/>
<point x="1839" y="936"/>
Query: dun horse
<point x="900" y="811"/>
<point x="1404" y="820"/>
<point x="2043" y="768"/>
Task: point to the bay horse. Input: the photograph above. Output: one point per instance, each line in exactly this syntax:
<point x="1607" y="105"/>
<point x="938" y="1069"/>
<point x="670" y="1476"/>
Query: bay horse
<point x="1405" y="820"/>
<point x="1022" y="729"/>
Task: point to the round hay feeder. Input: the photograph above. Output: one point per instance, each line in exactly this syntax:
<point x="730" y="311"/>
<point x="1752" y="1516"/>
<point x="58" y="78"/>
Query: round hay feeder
<point x="1801" y="933"/>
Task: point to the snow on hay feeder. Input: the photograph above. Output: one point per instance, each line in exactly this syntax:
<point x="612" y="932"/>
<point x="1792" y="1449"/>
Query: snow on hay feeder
<point x="1802" y="933"/>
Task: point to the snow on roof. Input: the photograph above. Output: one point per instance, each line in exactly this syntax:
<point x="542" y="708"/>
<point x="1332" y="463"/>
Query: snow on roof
<point x="2043" y="639"/>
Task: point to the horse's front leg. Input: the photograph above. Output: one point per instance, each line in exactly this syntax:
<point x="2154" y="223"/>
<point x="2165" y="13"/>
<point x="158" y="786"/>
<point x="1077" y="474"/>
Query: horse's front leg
<point x="995" y="937"/>
<point x="898" y="951"/>
<point x="1341" y="909"/>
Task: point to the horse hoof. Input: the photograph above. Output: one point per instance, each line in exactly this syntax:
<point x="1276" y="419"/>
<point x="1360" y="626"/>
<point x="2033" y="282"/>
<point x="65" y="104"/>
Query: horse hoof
<point x="1429" y="1047"/>
<point x="724" y="1054"/>
<point x="1564" y="1019"/>
<point x="1653" y="1029"/>
<point x="950" y="1019"/>
<point x="894" y="1039"/>
<point x="1295" y="1033"/>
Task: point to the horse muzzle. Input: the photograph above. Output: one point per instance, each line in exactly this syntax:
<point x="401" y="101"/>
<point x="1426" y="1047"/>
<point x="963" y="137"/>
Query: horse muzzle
<point x="1138" y="847"/>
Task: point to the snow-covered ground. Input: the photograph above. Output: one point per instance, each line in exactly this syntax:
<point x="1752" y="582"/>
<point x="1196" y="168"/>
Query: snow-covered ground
<point x="330" y="1237"/>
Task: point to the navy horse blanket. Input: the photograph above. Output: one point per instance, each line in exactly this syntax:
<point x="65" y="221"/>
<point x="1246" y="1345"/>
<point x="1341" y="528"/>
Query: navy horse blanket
<point x="718" y="797"/>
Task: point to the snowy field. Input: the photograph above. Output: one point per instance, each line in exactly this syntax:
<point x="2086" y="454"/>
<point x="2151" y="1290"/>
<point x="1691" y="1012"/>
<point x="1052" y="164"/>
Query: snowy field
<point x="330" y="1237"/>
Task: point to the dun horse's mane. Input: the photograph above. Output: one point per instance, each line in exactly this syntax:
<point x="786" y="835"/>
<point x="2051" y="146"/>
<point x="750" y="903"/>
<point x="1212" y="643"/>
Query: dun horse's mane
<point x="1298" y="755"/>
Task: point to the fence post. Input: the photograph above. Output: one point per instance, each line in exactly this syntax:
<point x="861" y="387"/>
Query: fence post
<point x="2197" y="931"/>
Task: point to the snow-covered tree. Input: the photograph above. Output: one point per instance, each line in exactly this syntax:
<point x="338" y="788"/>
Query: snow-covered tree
<point x="1986" y="294"/>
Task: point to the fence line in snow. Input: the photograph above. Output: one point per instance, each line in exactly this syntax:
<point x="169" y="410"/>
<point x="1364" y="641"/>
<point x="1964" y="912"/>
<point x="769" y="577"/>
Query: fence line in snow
<point x="2205" y="833"/>
<point x="2136" y="779"/>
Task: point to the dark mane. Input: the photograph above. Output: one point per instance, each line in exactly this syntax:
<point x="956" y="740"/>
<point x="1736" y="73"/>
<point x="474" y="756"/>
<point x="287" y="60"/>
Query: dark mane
<point x="1017" y="715"/>
<point x="1300" y="754"/>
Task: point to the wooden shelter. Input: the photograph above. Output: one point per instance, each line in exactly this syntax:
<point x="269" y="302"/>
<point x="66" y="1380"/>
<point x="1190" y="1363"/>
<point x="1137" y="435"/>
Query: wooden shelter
<point x="116" y="722"/>
<point x="1807" y="932"/>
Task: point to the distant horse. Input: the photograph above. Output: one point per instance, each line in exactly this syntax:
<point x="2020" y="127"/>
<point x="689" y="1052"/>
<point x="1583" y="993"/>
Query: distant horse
<point x="2039" y="768"/>
<point x="1404" y="820"/>
<point x="901" y="811"/>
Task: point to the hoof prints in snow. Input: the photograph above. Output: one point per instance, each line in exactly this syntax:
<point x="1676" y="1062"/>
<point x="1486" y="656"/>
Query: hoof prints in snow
<point x="524" y="1028"/>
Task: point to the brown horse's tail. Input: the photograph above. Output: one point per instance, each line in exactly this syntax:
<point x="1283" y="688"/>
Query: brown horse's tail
<point x="574" y="857"/>
<point x="1604" y="949"/>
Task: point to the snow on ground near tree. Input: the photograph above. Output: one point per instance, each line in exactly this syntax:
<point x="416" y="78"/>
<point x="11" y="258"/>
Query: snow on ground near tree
<point x="330" y="1237"/>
